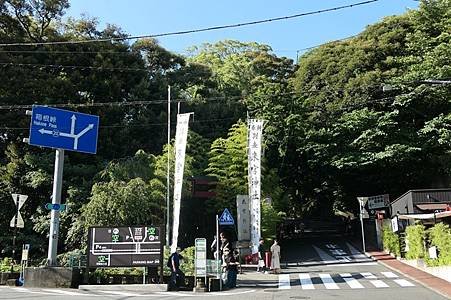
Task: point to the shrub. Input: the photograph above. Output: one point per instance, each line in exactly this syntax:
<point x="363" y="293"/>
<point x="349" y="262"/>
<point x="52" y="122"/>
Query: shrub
<point x="187" y="266"/>
<point x="415" y="237"/>
<point x="390" y="240"/>
<point x="5" y="265"/>
<point x="440" y="236"/>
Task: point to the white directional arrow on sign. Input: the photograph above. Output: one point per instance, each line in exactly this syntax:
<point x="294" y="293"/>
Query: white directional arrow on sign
<point x="72" y="134"/>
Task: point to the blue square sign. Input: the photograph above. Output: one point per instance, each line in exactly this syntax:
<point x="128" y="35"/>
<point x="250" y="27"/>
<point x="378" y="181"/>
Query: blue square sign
<point x="63" y="129"/>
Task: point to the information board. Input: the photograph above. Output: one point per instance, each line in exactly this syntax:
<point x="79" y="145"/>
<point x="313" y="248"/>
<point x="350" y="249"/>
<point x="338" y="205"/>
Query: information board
<point x="124" y="246"/>
<point x="200" y="257"/>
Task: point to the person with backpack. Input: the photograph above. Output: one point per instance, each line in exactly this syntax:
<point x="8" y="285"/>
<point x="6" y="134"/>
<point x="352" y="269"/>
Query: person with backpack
<point x="177" y="276"/>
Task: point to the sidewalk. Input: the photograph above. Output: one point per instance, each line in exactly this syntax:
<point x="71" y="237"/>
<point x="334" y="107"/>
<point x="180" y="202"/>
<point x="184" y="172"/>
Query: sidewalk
<point x="437" y="284"/>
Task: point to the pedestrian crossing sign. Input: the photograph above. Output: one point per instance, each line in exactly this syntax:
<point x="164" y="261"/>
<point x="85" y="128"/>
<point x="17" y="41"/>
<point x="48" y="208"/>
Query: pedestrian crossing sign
<point x="226" y="218"/>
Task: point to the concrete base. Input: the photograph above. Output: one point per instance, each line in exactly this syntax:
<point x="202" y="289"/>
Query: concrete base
<point x="51" y="277"/>
<point x="4" y="276"/>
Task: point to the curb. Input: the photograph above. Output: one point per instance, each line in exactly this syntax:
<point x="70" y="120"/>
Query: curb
<point x="408" y="276"/>
<point x="126" y="287"/>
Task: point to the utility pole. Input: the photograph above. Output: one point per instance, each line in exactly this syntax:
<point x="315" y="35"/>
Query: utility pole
<point x="168" y="165"/>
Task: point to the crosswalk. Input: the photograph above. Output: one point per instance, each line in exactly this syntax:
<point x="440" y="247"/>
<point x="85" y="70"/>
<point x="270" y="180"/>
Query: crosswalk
<point x="310" y="281"/>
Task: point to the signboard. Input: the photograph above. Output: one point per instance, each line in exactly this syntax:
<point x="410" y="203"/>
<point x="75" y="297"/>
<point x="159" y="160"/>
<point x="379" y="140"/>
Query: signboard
<point x="63" y="129"/>
<point x="25" y="249"/>
<point x="200" y="257"/>
<point x="124" y="246"/>
<point x="181" y="136"/>
<point x="379" y="201"/>
<point x="226" y="218"/>
<point x="254" y="140"/>
<point x="243" y="217"/>
<point x="394" y="224"/>
<point x="19" y="200"/>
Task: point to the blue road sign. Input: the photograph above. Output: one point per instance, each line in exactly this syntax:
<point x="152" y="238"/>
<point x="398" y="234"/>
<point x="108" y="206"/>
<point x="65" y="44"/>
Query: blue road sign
<point x="63" y="129"/>
<point x="55" y="206"/>
<point x="226" y="218"/>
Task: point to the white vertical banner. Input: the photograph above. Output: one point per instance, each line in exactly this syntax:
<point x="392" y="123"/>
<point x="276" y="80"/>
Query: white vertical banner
<point x="243" y="217"/>
<point x="181" y="135"/>
<point x="255" y="129"/>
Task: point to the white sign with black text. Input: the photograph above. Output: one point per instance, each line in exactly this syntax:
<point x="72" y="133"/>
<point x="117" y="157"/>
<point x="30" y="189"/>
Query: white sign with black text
<point x="255" y="130"/>
<point x="181" y="135"/>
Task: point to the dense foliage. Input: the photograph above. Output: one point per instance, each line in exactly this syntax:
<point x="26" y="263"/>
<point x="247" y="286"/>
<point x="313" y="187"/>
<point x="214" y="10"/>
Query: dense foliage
<point x="350" y="118"/>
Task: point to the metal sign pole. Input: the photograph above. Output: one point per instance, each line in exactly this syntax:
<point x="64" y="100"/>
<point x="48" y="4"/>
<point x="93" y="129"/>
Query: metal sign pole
<point x="218" y="270"/>
<point x="54" y="214"/>
<point x="168" y="168"/>
<point x="16" y="202"/>
<point x="361" y="204"/>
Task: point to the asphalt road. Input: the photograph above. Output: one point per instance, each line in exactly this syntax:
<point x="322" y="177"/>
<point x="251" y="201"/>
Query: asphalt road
<point x="321" y="267"/>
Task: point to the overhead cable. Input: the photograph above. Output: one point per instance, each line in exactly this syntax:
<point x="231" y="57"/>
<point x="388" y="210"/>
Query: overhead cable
<point x="190" y="31"/>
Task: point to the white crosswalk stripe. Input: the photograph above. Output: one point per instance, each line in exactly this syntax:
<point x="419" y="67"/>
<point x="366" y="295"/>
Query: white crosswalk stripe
<point x="284" y="281"/>
<point x="379" y="283"/>
<point x="351" y="281"/>
<point x="389" y="274"/>
<point x="403" y="282"/>
<point x="336" y="281"/>
<point x="368" y="275"/>
<point x="306" y="282"/>
<point x="328" y="282"/>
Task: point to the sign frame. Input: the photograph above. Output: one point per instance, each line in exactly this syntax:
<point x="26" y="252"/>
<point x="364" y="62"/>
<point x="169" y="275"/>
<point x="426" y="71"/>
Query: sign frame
<point x="92" y="264"/>
<point x="226" y="218"/>
<point x="63" y="129"/>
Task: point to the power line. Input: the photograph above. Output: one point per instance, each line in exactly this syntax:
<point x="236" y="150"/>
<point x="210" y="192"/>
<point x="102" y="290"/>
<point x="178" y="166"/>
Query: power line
<point x="193" y="30"/>
<point x="130" y="103"/>
<point x="55" y="66"/>
<point x="136" y="126"/>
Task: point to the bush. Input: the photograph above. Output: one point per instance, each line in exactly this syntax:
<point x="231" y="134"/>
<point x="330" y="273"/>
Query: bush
<point x="415" y="237"/>
<point x="5" y="265"/>
<point x="390" y="240"/>
<point x="187" y="266"/>
<point x="440" y="236"/>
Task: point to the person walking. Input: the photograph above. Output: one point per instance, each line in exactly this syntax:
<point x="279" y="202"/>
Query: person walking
<point x="225" y="244"/>
<point x="231" y="268"/>
<point x="275" y="257"/>
<point x="261" y="256"/>
<point x="177" y="276"/>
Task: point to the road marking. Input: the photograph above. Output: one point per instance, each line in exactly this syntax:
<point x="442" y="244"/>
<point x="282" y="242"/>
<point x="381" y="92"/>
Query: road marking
<point x="284" y="282"/>
<point x="325" y="258"/>
<point x="63" y="292"/>
<point x="403" y="282"/>
<point x="328" y="282"/>
<point x="389" y="274"/>
<point x="368" y="275"/>
<point x="120" y="293"/>
<point x="356" y="253"/>
<point x="24" y="290"/>
<point x="351" y="281"/>
<point x="306" y="282"/>
<point x="379" y="283"/>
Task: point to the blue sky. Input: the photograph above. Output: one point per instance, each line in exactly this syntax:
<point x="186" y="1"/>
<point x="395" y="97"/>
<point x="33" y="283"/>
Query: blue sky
<point x="286" y="37"/>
